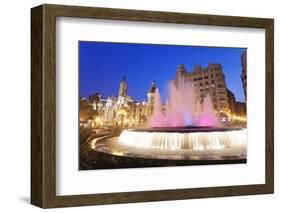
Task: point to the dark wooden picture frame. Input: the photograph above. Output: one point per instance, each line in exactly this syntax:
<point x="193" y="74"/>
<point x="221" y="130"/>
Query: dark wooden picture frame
<point x="43" y="105"/>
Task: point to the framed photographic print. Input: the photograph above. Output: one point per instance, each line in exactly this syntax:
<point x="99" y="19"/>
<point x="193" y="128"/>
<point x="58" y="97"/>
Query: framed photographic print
<point x="136" y="106"/>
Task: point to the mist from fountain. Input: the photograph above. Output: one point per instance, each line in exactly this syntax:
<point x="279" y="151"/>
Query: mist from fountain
<point x="182" y="109"/>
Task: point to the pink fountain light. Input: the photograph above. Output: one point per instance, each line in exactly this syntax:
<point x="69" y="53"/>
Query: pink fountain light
<point x="157" y="119"/>
<point x="207" y="116"/>
<point x="182" y="108"/>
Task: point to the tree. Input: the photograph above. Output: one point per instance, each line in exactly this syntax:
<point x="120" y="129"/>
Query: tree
<point x="85" y="110"/>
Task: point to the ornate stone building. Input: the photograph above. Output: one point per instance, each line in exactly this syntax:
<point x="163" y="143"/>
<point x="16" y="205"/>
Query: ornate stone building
<point x="209" y="80"/>
<point x="123" y="110"/>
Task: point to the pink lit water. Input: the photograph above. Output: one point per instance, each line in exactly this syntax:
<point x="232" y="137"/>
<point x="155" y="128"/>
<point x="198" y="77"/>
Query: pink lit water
<point x="181" y="108"/>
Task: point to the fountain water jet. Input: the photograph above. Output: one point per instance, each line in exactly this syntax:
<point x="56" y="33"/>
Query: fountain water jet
<point x="182" y="108"/>
<point x="207" y="117"/>
<point x="157" y="117"/>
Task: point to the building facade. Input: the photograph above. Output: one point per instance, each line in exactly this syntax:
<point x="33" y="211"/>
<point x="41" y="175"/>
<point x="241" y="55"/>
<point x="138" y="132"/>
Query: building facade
<point x="123" y="110"/>
<point x="231" y="101"/>
<point x="208" y="81"/>
<point x="244" y="72"/>
<point x="240" y="108"/>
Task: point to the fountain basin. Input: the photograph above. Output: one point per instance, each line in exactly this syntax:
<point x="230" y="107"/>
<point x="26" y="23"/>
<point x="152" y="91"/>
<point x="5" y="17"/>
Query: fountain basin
<point x="206" y="144"/>
<point x="184" y="138"/>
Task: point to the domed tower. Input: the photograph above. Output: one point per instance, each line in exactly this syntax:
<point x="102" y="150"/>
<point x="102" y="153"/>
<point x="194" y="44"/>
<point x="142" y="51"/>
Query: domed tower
<point x="151" y="93"/>
<point x="123" y="86"/>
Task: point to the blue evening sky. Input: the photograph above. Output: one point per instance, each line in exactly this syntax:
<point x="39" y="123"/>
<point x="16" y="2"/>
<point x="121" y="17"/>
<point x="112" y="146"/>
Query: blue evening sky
<point x="102" y="65"/>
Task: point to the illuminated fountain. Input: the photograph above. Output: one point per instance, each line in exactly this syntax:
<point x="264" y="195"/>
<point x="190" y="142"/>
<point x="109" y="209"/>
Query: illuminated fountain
<point x="184" y="130"/>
